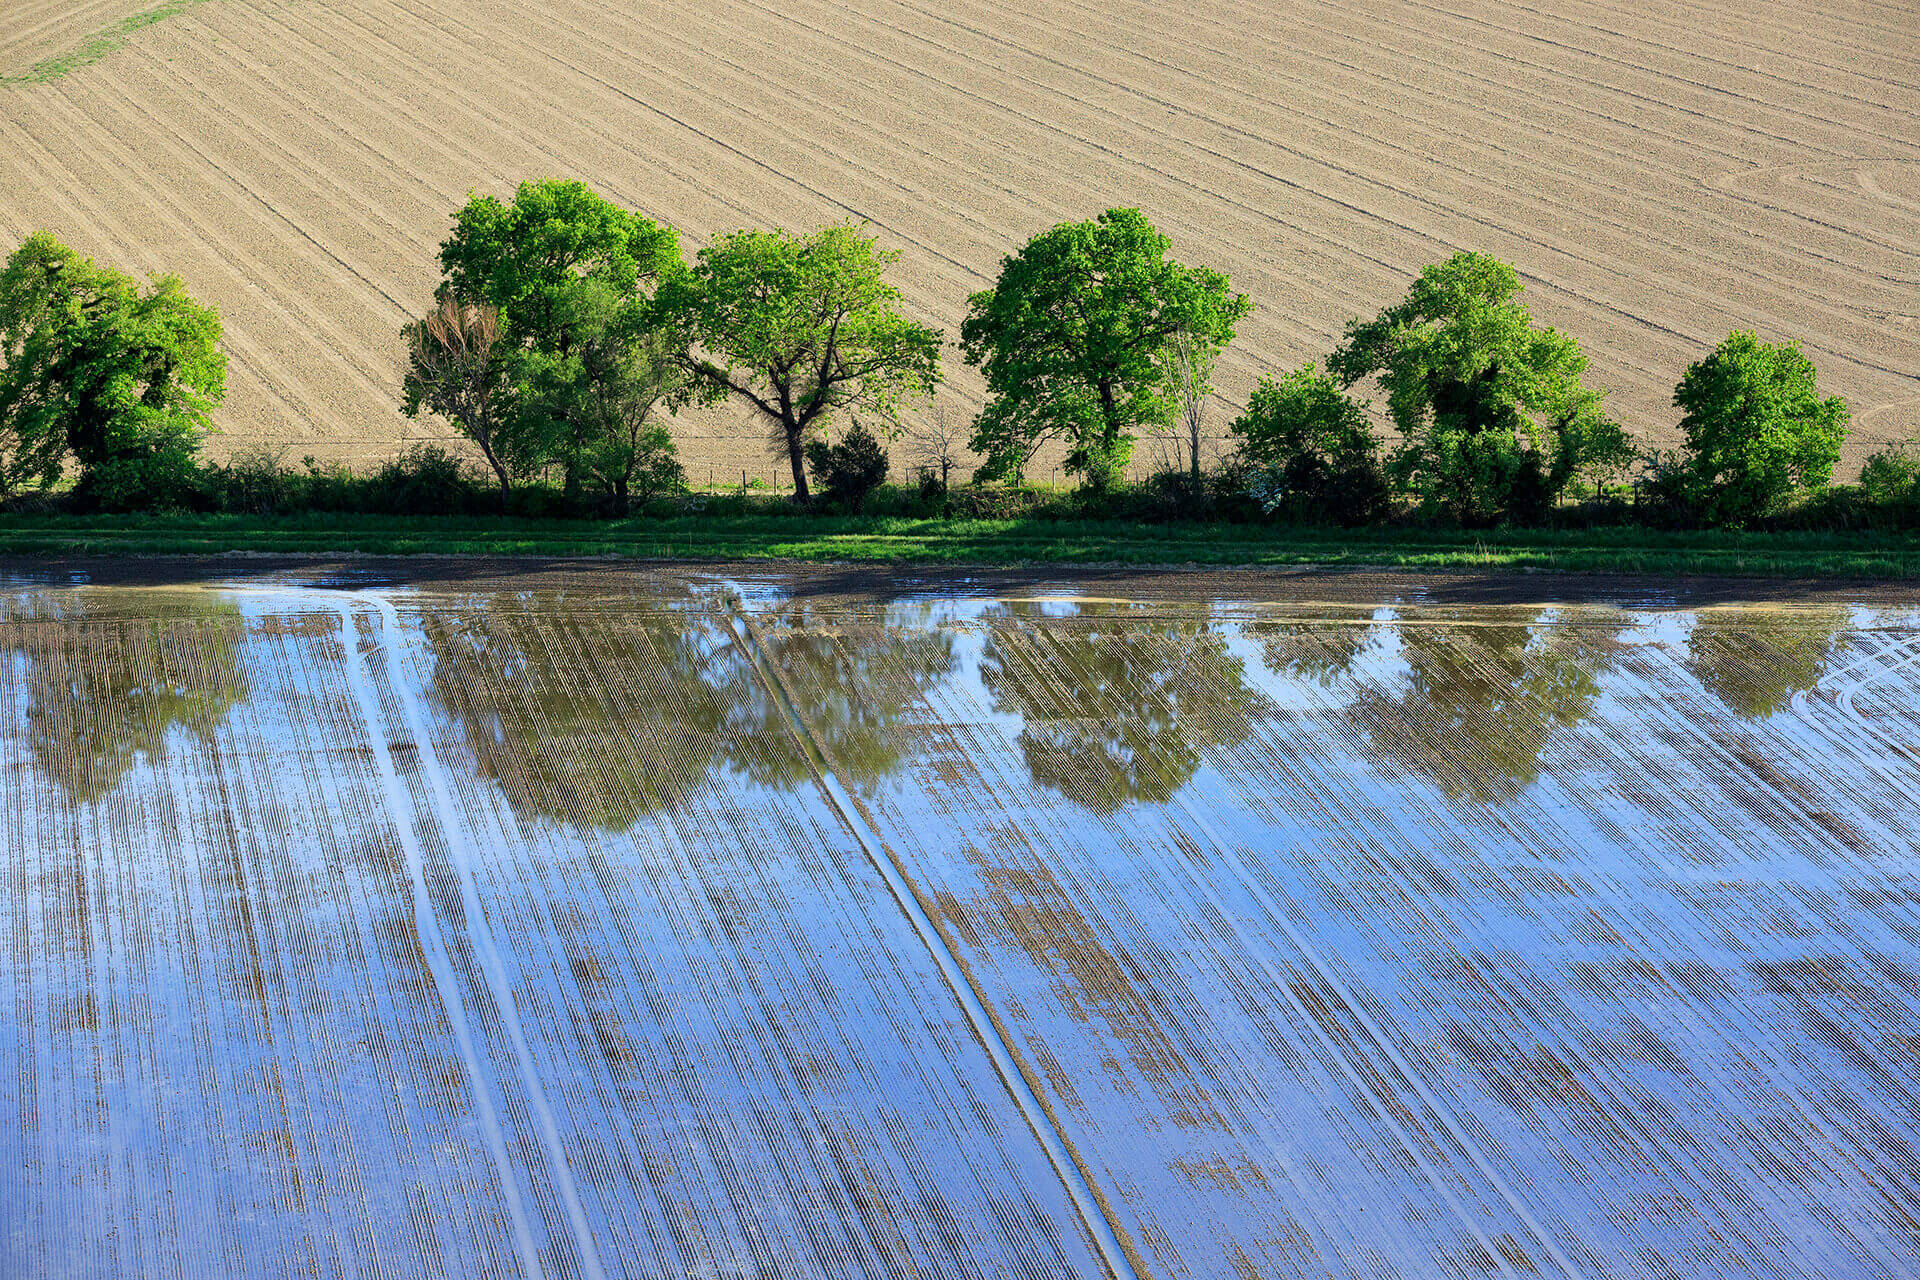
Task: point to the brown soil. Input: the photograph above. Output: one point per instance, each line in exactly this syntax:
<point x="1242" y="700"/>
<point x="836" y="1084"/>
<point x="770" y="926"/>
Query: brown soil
<point x="859" y="584"/>
<point x="1659" y="174"/>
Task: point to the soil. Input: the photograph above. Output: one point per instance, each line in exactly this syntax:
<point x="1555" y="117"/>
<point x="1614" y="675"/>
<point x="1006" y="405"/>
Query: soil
<point x="856" y="584"/>
<point x="1659" y="175"/>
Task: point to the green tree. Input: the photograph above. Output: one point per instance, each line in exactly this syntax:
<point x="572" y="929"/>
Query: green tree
<point x="1077" y="339"/>
<point x="574" y="279"/>
<point x="1757" y="430"/>
<point x="802" y="327"/>
<point x="624" y="370"/>
<point x="528" y="257"/>
<point x="124" y="379"/>
<point x="1317" y="446"/>
<point x="1493" y="418"/>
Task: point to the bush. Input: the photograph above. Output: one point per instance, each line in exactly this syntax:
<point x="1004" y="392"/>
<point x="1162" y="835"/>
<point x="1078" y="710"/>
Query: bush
<point x="848" y="471"/>
<point x="425" y="480"/>
<point x="162" y="475"/>
<point x="1311" y="450"/>
<point x="1757" y="431"/>
<point x="1890" y="475"/>
<point x="256" y="482"/>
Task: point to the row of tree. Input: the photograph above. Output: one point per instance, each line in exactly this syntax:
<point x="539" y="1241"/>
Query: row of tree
<point x="566" y="323"/>
<point x="566" y="331"/>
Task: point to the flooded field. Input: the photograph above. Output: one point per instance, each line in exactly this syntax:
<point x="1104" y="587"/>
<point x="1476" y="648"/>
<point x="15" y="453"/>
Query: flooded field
<point x="723" y="931"/>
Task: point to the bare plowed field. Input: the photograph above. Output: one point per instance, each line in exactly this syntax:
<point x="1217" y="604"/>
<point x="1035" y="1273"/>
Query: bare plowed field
<point x="1659" y="174"/>
<point x="722" y="932"/>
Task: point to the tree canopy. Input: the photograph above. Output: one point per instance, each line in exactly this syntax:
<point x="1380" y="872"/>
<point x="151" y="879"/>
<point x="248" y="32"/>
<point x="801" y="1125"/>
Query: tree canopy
<point x="582" y="362"/>
<point x="528" y="257"/>
<point x="1317" y="445"/>
<point x="1075" y="341"/>
<point x="1757" y="429"/>
<point x="122" y="379"/>
<point x="1493" y="417"/>
<point x="803" y="327"/>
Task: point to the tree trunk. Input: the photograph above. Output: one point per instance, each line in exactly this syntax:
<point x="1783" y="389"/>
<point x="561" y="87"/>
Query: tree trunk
<point x="796" y="454"/>
<point x="1109" y="438"/>
<point x="620" y="496"/>
<point x="500" y="474"/>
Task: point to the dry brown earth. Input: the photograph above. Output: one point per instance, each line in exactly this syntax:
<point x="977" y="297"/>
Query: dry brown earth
<point x="1659" y="174"/>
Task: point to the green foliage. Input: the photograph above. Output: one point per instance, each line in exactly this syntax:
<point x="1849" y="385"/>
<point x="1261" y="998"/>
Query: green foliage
<point x="1074" y="340"/>
<point x="529" y="257"/>
<point x="622" y="371"/>
<point x="802" y="327"/>
<point x="1318" y="451"/>
<point x="459" y="368"/>
<point x="580" y="362"/>
<point x="1493" y="418"/>
<point x="1757" y="431"/>
<point x="108" y="40"/>
<point x="122" y="378"/>
<point x="849" y="469"/>
<point x="1891" y="476"/>
<point x="424" y="479"/>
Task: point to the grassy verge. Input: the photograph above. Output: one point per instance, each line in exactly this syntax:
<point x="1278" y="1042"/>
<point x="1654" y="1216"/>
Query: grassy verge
<point x="109" y="39"/>
<point x="986" y="542"/>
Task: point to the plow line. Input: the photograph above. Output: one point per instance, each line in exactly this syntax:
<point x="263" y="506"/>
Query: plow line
<point x="1088" y="1203"/>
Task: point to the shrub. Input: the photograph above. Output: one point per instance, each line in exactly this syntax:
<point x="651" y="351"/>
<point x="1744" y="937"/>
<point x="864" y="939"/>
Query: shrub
<point x="1312" y="452"/>
<point x="425" y="480"/>
<point x="1001" y="502"/>
<point x="850" y="469"/>
<point x="1890" y="475"/>
<point x="165" y="476"/>
<point x="256" y="481"/>
<point x="1757" y="431"/>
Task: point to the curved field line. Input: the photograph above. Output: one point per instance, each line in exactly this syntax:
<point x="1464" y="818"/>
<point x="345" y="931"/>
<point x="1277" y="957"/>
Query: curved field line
<point x="432" y="945"/>
<point x="460" y="853"/>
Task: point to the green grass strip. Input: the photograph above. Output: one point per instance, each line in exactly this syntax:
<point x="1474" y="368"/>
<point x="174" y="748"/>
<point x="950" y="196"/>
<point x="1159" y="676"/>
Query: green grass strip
<point x="108" y="40"/>
<point x="894" y="540"/>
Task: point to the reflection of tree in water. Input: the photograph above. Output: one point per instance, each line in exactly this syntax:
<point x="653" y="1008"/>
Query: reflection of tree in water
<point x="106" y="684"/>
<point x="599" y="722"/>
<point x="592" y="722"/>
<point x="855" y="685"/>
<point x="1754" y="661"/>
<point x="1480" y="703"/>
<point x="1324" y="652"/>
<point x="1119" y="708"/>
